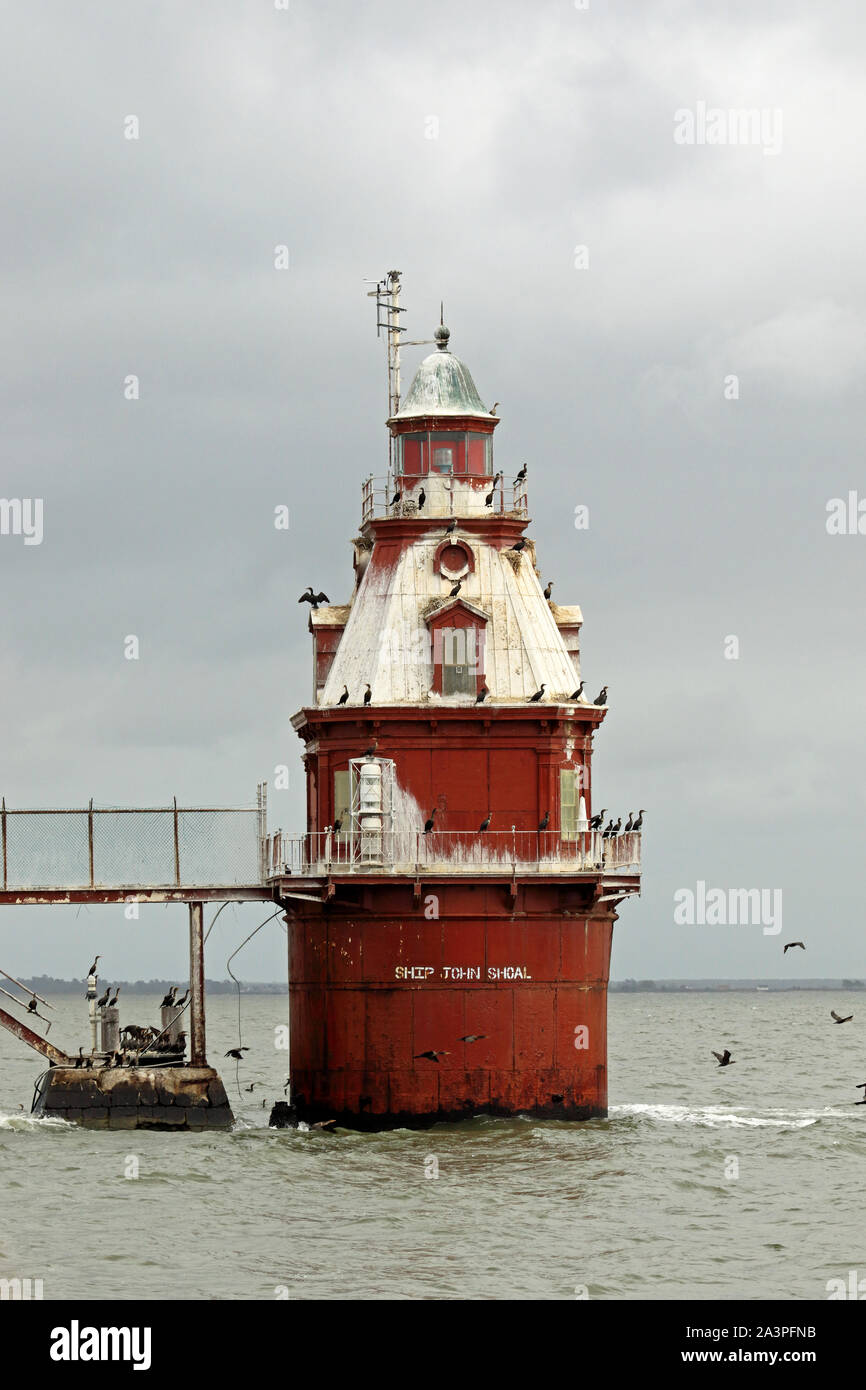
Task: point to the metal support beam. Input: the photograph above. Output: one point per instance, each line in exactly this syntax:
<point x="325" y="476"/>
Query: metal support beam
<point x="197" y="1056"/>
<point x="33" y="1040"/>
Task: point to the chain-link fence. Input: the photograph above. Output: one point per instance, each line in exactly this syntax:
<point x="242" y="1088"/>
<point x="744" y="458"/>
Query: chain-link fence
<point x="120" y="847"/>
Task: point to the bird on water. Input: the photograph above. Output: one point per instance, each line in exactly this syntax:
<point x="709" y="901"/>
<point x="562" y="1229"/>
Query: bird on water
<point x="345" y="695"/>
<point x="793" y="943"/>
<point x="836" y="1018"/>
<point x="539" y="695"/>
<point x="724" y="1059"/>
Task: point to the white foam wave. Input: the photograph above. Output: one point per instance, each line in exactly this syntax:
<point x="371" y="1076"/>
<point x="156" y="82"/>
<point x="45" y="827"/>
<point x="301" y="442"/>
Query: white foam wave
<point x="716" y="1117"/>
<point x="20" y="1121"/>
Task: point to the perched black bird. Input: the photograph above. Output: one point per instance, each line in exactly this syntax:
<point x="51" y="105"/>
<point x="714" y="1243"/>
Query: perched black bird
<point x="237" y="1053"/>
<point x="601" y="699"/>
<point x="485" y="824"/>
<point x="92" y="970"/>
<point x="836" y="1019"/>
<point x="313" y="599"/>
<point x="345" y="695"/>
<point x="793" y="943"/>
<point x="178" y="1003"/>
<point x="433" y="1056"/>
<point x="482" y="695"/>
<point x="595" y="823"/>
<point x="608" y="828"/>
<point x="615" y="829"/>
<point x="101" y="1003"/>
<point x="113" y="1000"/>
<point x="629" y="825"/>
<point x="368" y="695"/>
<point x="473" y="1037"/>
<point x="488" y="501"/>
<point x="861" y="1086"/>
<point x="545" y="821"/>
<point x="371" y="751"/>
<point x="422" y="498"/>
<point x="578" y="693"/>
<point x="539" y="694"/>
<point x="456" y="589"/>
<point x="639" y="822"/>
<point x="396" y="498"/>
<point x="518" y="545"/>
<point x="493" y="407"/>
<point x="252" y="1086"/>
<point x="521" y="475"/>
<point x="79" y="1061"/>
<point x="724" y="1058"/>
<point x="338" y="823"/>
<point x="428" y="824"/>
<point x="548" y="588"/>
<point x="169" y="999"/>
<point x="451" y="527"/>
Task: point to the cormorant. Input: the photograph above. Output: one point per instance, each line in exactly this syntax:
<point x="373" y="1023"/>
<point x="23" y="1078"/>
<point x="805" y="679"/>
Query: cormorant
<point x="433" y="1056"/>
<point x="482" y="695"/>
<point x="422" y="498"/>
<point x="169" y="999"/>
<point x="237" y="1053"/>
<point x="629" y="823"/>
<point x="313" y="599"/>
<point x="639" y="822"/>
<point x="608" y="828"/>
<point x="396" y="498"/>
<point x="338" y="823"/>
<point x="836" y="1019"/>
<point x="724" y="1058"/>
<point x="601" y="698"/>
<point x="428" y="824"/>
<point x="451" y="527"/>
<point x="456" y="589"/>
<point x="521" y="475"/>
<point x="113" y="1001"/>
<point x="518" y="545"/>
<point x="578" y="693"/>
<point x="493" y="407"/>
<point x="545" y="821"/>
<point x="368" y="695"/>
<point x="371" y="751"/>
<point x="179" y="1003"/>
<point x="615" y="829"/>
<point x="595" y="823"/>
<point x="345" y="695"/>
<point x="473" y="1037"/>
<point x="101" y="1003"/>
<point x="92" y="970"/>
<point x="31" y="1007"/>
<point x="547" y="588"/>
<point x="485" y="824"/>
<point x="534" y="699"/>
<point x="793" y="943"/>
<point x="488" y="501"/>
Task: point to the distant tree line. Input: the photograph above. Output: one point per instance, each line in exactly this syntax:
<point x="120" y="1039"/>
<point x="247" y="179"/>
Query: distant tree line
<point x="45" y="984"/>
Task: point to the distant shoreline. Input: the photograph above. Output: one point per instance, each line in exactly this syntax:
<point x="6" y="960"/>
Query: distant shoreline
<point x="44" y="984"/>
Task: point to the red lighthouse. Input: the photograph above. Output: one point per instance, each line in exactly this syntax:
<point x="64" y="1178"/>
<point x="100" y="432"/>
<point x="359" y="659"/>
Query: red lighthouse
<point x="450" y="908"/>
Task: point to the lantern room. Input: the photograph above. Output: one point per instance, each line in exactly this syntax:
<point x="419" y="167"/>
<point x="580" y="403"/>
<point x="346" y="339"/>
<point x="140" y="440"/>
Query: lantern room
<point x="443" y="427"/>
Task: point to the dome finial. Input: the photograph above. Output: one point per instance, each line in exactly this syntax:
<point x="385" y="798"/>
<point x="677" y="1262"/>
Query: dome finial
<point x="442" y="333"/>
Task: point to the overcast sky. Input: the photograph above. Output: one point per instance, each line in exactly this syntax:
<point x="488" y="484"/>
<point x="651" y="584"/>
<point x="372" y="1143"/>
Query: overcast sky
<point x="554" y="129"/>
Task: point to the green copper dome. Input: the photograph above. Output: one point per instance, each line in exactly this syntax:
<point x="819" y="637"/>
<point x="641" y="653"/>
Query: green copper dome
<point x="442" y="385"/>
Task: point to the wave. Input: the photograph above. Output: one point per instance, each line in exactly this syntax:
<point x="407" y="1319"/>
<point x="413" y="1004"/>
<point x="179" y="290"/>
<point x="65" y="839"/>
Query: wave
<point x="717" y="1117"/>
<point x="19" y="1121"/>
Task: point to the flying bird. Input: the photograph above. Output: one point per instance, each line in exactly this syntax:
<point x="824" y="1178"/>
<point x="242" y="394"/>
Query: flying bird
<point x="473" y="1037"/>
<point x="548" y="588"/>
<point x="237" y="1052"/>
<point x="793" y="943"/>
<point x="345" y="695"/>
<point x="368" y="695"/>
<point x="428" y="824"/>
<point x="534" y="699"/>
<point x="313" y="599"/>
<point x="724" y="1058"/>
<point x="601" y="698"/>
<point x="482" y="695"/>
<point x="836" y="1019"/>
<point x="485" y="824"/>
<point x="433" y="1056"/>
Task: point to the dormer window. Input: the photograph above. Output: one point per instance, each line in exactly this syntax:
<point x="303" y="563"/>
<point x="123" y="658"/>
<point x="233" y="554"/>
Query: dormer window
<point x="458" y="633"/>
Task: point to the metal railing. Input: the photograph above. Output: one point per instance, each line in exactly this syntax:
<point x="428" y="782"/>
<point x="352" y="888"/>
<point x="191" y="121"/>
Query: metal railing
<point x="129" y="847"/>
<point x="377" y="494"/>
<point x="457" y="851"/>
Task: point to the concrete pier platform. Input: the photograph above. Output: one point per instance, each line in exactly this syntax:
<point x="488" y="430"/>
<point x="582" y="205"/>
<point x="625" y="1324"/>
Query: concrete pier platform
<point x="181" y="1098"/>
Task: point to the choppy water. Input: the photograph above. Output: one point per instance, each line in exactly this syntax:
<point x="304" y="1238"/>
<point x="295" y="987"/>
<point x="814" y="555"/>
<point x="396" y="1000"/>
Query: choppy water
<point x="636" y="1206"/>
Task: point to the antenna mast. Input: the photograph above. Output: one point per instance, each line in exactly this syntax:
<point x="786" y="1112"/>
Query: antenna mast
<point x="387" y="297"/>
